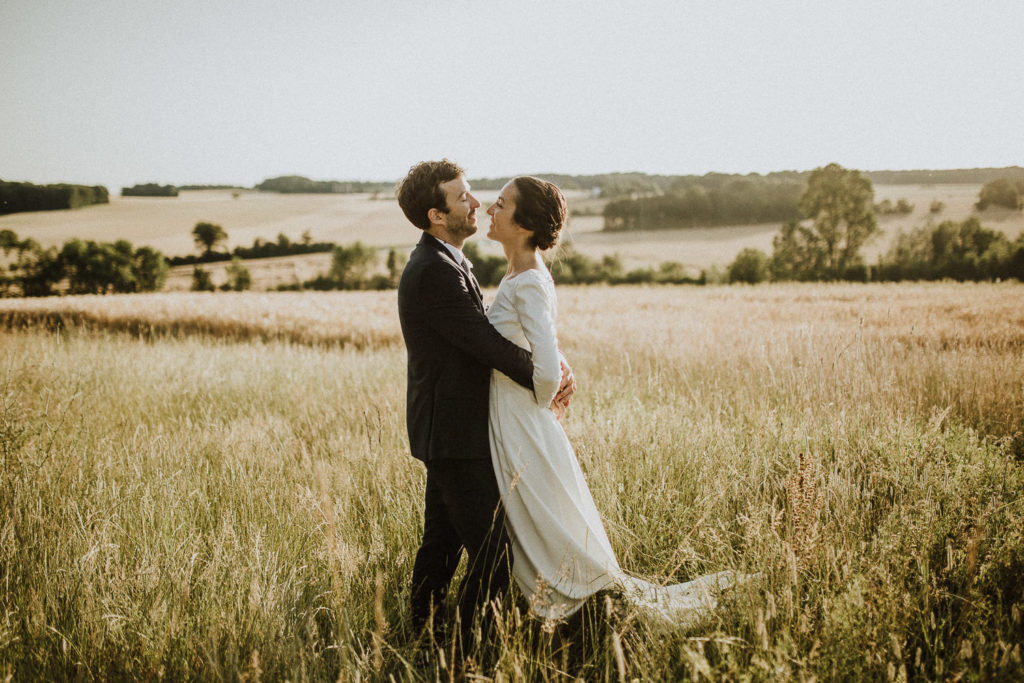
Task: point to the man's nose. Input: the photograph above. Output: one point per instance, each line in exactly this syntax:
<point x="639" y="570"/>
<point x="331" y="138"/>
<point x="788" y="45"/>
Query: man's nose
<point x="473" y="202"/>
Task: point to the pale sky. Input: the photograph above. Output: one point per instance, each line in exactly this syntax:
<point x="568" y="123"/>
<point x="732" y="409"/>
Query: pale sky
<point x="119" y="92"/>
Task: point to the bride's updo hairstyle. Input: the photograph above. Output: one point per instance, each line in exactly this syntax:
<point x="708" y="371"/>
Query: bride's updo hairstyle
<point x="540" y="208"/>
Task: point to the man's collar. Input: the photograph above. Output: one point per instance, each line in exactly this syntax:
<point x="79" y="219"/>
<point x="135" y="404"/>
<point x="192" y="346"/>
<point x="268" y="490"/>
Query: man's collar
<point x="454" y="251"/>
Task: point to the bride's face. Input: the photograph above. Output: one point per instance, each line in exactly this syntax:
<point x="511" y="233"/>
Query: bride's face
<point x="503" y="228"/>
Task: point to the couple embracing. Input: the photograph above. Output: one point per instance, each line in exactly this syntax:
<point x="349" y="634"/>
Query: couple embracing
<point x="487" y="387"/>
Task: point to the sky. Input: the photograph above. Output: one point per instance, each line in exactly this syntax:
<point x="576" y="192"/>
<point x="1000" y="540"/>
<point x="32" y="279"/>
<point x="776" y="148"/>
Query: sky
<point x="119" y="92"/>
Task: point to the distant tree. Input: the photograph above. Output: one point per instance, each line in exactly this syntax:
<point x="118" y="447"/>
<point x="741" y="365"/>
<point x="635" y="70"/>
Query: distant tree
<point x="750" y="266"/>
<point x="80" y="261"/>
<point x="673" y="272"/>
<point x="395" y="264"/>
<point x="88" y="267"/>
<point x="296" y="183"/>
<point x="569" y="266"/>
<point x="32" y="270"/>
<point x="149" y="190"/>
<point x="350" y="266"/>
<point x="99" y="267"/>
<point x="886" y="207"/>
<point x="8" y="240"/>
<point x="488" y="270"/>
<point x="208" y="235"/>
<point x="960" y="251"/>
<point x="150" y="269"/>
<point x="611" y="267"/>
<point x="714" y="275"/>
<point x="839" y="203"/>
<point x="1015" y="262"/>
<point x="392" y="263"/>
<point x="1001" y="192"/>
<point x="936" y="206"/>
<point x="796" y="253"/>
<point x="201" y="280"/>
<point x="713" y="199"/>
<point x="16" y="197"/>
<point x="40" y="270"/>
<point x="239" y="277"/>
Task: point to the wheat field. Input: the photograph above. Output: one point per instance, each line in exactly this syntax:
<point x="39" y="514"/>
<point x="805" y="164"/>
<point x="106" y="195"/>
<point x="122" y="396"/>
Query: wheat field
<point x="219" y="486"/>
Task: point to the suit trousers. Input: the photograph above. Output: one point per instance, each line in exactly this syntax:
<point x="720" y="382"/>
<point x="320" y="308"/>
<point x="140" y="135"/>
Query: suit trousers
<point x="462" y="511"/>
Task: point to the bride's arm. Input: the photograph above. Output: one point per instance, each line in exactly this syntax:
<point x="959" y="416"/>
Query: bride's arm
<point x="536" y="315"/>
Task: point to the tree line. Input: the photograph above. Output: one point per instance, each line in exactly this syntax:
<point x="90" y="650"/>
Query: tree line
<point x="710" y="200"/>
<point x="18" y="197"/>
<point x="717" y="199"/>
<point x="839" y="219"/>
<point x="1004" y="192"/>
<point x="79" y="267"/>
<point x="149" y="190"/>
<point x="208" y="236"/>
<point x="633" y="185"/>
<point x="291" y="184"/>
<point x="301" y="184"/>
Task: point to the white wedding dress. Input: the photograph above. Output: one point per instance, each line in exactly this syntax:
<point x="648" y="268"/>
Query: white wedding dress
<point x="561" y="551"/>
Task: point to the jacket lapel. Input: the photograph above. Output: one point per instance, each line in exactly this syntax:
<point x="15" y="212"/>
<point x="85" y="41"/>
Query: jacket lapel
<point x="474" y="285"/>
<point x="430" y="241"/>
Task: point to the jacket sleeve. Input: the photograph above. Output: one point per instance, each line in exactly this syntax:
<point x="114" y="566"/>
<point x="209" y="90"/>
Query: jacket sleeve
<point x="536" y="310"/>
<point x="451" y="310"/>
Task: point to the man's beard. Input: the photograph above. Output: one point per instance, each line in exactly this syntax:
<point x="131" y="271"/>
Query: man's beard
<point x="460" y="227"/>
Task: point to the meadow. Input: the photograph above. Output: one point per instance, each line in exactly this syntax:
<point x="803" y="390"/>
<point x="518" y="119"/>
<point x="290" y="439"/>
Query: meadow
<point x="219" y="486"/>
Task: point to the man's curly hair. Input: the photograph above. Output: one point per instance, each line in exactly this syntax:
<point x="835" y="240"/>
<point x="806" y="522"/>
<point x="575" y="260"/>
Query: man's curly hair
<point x="420" y="190"/>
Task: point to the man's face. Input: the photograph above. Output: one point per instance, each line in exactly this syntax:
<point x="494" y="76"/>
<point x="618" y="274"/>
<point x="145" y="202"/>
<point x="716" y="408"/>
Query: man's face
<point x="462" y="206"/>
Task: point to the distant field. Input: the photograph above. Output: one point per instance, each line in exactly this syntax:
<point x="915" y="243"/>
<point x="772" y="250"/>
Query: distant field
<point x="266" y="273"/>
<point x="166" y="224"/>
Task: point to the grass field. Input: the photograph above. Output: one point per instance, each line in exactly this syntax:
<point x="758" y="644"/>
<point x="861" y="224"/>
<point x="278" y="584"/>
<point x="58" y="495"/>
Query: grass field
<point x="219" y="486"/>
<point x="166" y="223"/>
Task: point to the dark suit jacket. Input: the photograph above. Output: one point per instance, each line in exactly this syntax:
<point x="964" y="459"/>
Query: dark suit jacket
<point x="451" y="348"/>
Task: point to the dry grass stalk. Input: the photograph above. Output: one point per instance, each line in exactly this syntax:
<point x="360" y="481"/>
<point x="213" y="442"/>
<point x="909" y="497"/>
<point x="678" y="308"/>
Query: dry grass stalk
<point x="380" y="625"/>
<point x="804" y="506"/>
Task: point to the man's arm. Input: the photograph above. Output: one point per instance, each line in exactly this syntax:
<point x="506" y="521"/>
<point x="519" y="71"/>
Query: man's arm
<point x="451" y="311"/>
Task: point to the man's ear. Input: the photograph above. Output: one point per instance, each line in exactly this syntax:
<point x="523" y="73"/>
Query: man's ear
<point x="435" y="216"/>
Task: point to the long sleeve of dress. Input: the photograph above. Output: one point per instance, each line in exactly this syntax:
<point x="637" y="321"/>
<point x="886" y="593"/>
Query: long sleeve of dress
<point x="535" y="306"/>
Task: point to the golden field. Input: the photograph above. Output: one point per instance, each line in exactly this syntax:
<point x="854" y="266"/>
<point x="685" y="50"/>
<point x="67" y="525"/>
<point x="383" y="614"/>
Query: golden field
<point x="219" y="486"/>
<point x="166" y="224"/>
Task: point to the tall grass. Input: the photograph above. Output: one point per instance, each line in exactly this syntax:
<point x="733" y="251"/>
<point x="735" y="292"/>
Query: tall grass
<point x="194" y="506"/>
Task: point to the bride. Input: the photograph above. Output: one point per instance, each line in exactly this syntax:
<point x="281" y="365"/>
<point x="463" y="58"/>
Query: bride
<point x="561" y="551"/>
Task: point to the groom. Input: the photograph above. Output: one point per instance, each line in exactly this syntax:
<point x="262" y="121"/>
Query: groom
<point x="451" y="350"/>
